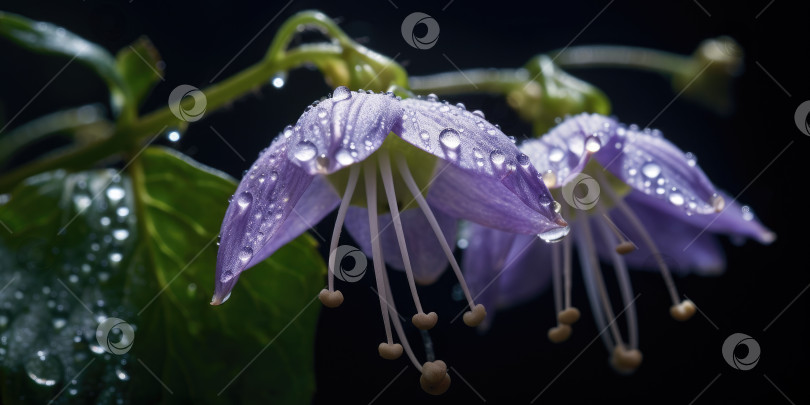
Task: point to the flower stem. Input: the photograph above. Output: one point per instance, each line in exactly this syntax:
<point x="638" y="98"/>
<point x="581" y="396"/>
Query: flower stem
<point x="498" y="81"/>
<point x="588" y="56"/>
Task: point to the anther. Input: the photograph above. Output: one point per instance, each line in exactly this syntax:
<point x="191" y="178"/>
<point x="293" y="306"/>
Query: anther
<point x="568" y="316"/>
<point x="331" y="299"/>
<point x="475" y="316"/>
<point x="390" y="351"/>
<point x="434" y="379"/>
<point x="625" y="361"/>
<point x="425" y="321"/>
<point x="559" y="333"/>
<point x="683" y="311"/>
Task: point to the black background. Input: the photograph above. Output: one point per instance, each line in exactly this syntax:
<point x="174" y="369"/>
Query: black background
<point x="515" y="361"/>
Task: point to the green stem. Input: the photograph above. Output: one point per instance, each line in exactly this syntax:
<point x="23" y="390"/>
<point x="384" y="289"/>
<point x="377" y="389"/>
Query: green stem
<point x="128" y="137"/>
<point x="665" y="63"/>
<point x="498" y="81"/>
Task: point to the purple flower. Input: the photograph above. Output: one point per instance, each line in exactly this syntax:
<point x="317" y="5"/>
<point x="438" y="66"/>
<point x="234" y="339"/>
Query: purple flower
<point x="451" y="162"/>
<point x="633" y="200"/>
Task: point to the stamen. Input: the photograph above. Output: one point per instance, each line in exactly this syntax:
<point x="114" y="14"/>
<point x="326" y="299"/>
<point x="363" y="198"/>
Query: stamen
<point x="556" y="273"/>
<point x="477" y="313"/>
<point x="386" y="350"/>
<point x="680" y="310"/>
<point x="330" y="297"/>
<point x="625" y="287"/>
<point x="566" y="314"/>
<point x="625" y="246"/>
<point x="398" y="326"/>
<point x="420" y="320"/>
<point x="587" y="251"/>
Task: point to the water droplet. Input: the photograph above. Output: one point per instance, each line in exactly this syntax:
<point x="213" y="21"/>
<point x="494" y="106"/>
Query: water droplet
<point x="59" y="323"/>
<point x="497" y="157"/>
<point x="81" y="202"/>
<point x="122" y="211"/>
<point x="545" y="200"/>
<point x="173" y="136"/>
<point x="279" y="79"/>
<point x="288" y="131"/>
<point x="321" y="113"/>
<point x="461" y="106"/>
<point x="676" y="198"/>
<point x="245" y="254"/>
<point x="478" y="113"/>
<point x="116" y="257"/>
<point x="305" y="151"/>
<point x="323" y="162"/>
<point x="244" y="199"/>
<point x="115" y="193"/>
<point x="44" y="369"/>
<point x="344" y="157"/>
<point x="273" y="175"/>
<point x="121" y="374"/>
<point x="592" y="144"/>
<point x="449" y="138"/>
<point x="747" y="214"/>
<point x="555" y="235"/>
<point x="226" y="276"/>
<point x="718" y="202"/>
<point x="432" y="97"/>
<point x="691" y="159"/>
<point x="651" y="170"/>
<point x="342" y="93"/>
<point x="557" y="207"/>
<point x="425" y="136"/>
<point x="660" y="191"/>
<point x="555" y="155"/>
<point x="105" y="221"/>
<point x="120" y="234"/>
<point x="522" y="159"/>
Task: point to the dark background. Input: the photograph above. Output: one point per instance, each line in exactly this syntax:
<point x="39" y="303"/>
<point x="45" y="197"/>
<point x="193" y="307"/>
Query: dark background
<point x="515" y="361"/>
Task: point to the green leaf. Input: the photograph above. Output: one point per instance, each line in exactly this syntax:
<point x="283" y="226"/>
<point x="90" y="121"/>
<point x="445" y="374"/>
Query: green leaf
<point x="142" y="249"/>
<point x="141" y="68"/>
<point x="45" y="37"/>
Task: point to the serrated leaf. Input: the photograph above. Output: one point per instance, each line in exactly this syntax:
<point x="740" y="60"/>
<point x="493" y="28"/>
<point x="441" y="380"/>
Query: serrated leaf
<point x="141" y="68"/>
<point x="143" y="249"/>
<point x="45" y="37"/>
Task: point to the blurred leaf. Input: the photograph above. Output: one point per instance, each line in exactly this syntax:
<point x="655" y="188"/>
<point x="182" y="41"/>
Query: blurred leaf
<point x="141" y="68"/>
<point x="142" y="249"/>
<point x="45" y="37"/>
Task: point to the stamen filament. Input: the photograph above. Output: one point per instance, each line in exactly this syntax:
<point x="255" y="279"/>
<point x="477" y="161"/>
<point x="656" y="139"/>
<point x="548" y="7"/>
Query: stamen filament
<point x="625" y="287"/>
<point x="354" y="173"/>
<point x="477" y="312"/>
<point x="398" y="327"/>
<point x="388" y="183"/>
<point x="599" y="281"/>
<point x="376" y="250"/>
<point x="556" y="273"/>
<point x="625" y="245"/>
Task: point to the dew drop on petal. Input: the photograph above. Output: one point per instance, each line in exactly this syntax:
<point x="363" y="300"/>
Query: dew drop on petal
<point x="554" y="235"/>
<point x="288" y="131"/>
<point x="344" y="157"/>
<point x="522" y="159"/>
<point x="245" y="254"/>
<point x="691" y="159"/>
<point x="244" y="199"/>
<point x="651" y="170"/>
<point x="342" y="93"/>
<point x="226" y="276"/>
<point x="556" y="155"/>
<point x="497" y="157"/>
<point x="425" y="136"/>
<point x="592" y="144"/>
<point x="449" y="138"/>
<point x="676" y="198"/>
<point x="478" y="113"/>
<point x="305" y="151"/>
<point x="557" y="207"/>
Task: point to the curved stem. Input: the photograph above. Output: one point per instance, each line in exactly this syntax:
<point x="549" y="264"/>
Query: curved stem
<point x="498" y="81"/>
<point x="588" y="56"/>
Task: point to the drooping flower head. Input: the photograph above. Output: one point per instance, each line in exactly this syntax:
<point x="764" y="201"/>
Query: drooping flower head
<point x="451" y="162"/>
<point x="633" y="199"/>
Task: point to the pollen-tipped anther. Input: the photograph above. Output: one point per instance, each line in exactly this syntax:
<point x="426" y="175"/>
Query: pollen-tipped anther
<point x="434" y="379"/>
<point x="425" y="321"/>
<point x="331" y="299"/>
<point x="476" y="316"/>
<point x="559" y="333"/>
<point x="390" y="351"/>
<point x="568" y="316"/>
<point x="683" y="311"/>
<point x="625" y="361"/>
<point x="625" y="247"/>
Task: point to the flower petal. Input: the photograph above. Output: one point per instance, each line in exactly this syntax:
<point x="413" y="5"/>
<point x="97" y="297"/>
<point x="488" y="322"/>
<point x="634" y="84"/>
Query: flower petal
<point x="483" y="262"/>
<point x="342" y="130"/>
<point x="428" y="260"/>
<point x="563" y="150"/>
<point x="317" y="201"/>
<point x="528" y="271"/>
<point x="704" y="254"/>
<point x="482" y="164"/>
<point x="261" y="204"/>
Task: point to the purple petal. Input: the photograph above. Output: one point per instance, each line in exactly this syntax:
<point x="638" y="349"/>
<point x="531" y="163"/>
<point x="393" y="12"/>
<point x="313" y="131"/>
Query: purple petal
<point x="671" y="235"/>
<point x="528" y="271"/>
<point x="341" y="130"/>
<point x="317" y="201"/>
<point x="428" y="260"/>
<point x="563" y="151"/>
<point x="261" y="204"/>
<point x="483" y="262"/>
<point x="485" y="160"/>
